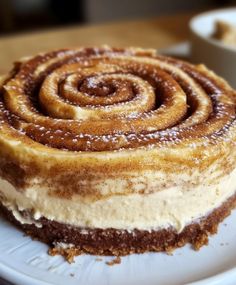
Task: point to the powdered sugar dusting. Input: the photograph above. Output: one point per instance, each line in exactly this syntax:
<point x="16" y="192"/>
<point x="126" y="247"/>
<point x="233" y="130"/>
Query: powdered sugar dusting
<point x="113" y="99"/>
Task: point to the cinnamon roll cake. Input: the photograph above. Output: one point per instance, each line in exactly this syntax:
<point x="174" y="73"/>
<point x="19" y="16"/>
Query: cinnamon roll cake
<point x="116" y="151"/>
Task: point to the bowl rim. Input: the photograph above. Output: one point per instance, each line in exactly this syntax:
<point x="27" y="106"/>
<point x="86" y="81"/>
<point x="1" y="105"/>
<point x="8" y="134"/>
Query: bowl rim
<point x="208" y="39"/>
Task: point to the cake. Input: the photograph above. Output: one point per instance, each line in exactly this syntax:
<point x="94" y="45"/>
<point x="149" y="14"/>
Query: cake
<point x="113" y="151"/>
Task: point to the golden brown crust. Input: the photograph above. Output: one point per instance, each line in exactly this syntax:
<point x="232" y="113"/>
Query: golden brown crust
<point x="122" y="242"/>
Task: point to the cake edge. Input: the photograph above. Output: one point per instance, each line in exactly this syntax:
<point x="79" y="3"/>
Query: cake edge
<point x="121" y="242"/>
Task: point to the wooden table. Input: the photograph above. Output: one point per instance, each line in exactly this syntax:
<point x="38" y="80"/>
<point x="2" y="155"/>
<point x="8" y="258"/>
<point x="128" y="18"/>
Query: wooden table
<point x="156" y="33"/>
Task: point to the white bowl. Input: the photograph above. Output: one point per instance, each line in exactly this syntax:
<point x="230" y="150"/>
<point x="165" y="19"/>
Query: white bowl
<point x="219" y="57"/>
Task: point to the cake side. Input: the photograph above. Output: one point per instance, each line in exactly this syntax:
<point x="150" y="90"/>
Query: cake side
<point x="160" y="209"/>
<point x="71" y="241"/>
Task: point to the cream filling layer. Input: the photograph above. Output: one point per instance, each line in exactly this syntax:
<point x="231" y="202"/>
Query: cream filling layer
<point x="171" y="207"/>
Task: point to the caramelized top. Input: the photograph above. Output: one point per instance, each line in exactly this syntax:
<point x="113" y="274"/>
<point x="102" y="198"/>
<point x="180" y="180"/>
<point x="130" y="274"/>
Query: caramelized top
<point x="104" y="99"/>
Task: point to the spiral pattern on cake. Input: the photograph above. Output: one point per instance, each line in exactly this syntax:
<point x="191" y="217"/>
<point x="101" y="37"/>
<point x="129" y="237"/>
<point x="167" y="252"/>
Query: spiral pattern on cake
<point x="98" y="99"/>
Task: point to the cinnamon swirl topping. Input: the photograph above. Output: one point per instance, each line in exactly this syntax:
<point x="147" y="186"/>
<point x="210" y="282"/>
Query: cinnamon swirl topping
<point x="74" y="109"/>
<point x="98" y="99"/>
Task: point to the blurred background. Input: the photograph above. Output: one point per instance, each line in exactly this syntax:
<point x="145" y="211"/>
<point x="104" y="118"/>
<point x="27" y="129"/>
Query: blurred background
<point x="17" y="16"/>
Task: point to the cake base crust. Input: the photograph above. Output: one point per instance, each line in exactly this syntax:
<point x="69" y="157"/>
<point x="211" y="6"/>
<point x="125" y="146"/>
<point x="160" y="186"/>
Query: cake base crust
<point x="121" y="242"/>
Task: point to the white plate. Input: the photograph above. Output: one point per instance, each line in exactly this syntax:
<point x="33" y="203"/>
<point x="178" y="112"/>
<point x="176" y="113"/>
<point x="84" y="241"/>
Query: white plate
<point x="26" y="262"/>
